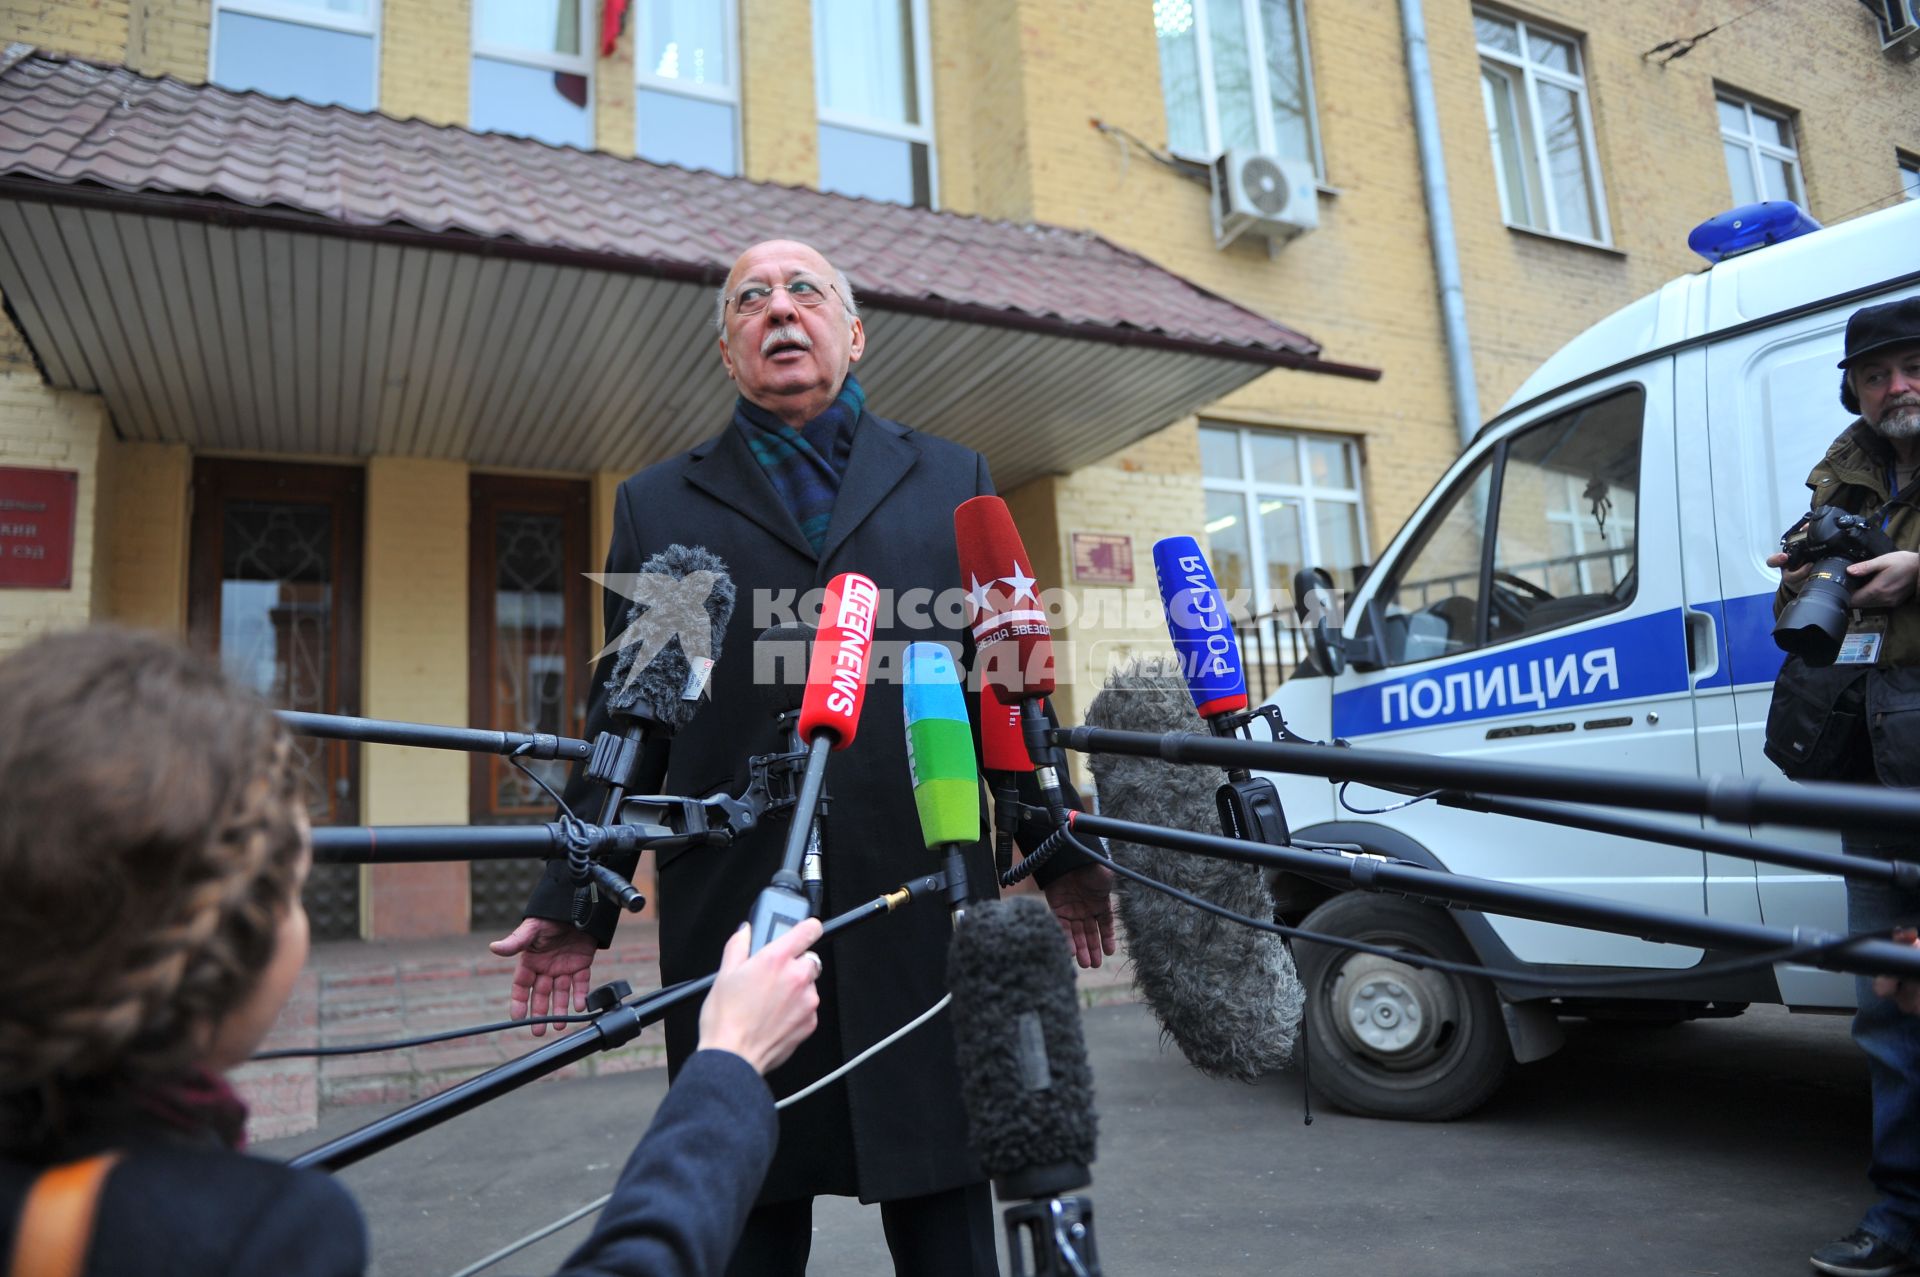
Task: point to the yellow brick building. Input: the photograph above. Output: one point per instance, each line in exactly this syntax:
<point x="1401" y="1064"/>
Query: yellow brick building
<point x="1580" y="144"/>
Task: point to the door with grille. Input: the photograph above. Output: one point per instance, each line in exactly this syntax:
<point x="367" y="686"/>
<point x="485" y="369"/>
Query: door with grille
<point x="274" y="589"/>
<point x="530" y="628"/>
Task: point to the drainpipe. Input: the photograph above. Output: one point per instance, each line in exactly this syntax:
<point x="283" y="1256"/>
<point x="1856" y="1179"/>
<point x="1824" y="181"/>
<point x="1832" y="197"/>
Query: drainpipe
<point x="1446" y="258"/>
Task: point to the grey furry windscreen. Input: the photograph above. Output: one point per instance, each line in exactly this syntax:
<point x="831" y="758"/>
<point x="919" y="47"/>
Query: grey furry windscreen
<point x="682" y="601"/>
<point x="1227" y="994"/>
<point x="1024" y="1077"/>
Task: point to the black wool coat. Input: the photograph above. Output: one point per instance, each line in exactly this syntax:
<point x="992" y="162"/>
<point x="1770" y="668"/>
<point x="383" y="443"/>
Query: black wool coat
<point x="894" y="1128"/>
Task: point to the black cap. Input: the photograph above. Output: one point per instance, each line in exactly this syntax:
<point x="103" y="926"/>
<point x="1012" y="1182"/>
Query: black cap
<point x="1874" y="328"/>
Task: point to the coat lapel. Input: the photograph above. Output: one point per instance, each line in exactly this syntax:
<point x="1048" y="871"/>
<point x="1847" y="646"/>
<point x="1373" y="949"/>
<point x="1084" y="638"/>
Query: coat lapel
<point x="724" y="468"/>
<point x="881" y="458"/>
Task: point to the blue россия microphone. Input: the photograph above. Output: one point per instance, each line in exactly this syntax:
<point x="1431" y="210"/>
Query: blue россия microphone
<point x="1201" y="629"/>
<point x="1210" y="662"/>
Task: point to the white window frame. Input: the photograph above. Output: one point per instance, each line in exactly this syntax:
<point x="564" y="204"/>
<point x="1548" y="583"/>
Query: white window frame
<point x="1756" y="148"/>
<point x="921" y="133"/>
<point x="1534" y="144"/>
<point x="1256" y="42"/>
<point x="1909" y="166"/>
<point x="300" y="16"/>
<point x="577" y="64"/>
<point x="1306" y="492"/>
<point x="644" y="78"/>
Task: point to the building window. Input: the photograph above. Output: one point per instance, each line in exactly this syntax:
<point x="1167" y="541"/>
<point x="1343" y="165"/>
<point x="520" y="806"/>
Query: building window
<point x="1544" y="162"/>
<point x="1235" y="73"/>
<point x="1762" y="163"/>
<point x="686" y="99"/>
<point x="874" y="85"/>
<point x="1910" y="176"/>
<point x="321" y="51"/>
<point x="532" y="71"/>
<point x="1277" y="502"/>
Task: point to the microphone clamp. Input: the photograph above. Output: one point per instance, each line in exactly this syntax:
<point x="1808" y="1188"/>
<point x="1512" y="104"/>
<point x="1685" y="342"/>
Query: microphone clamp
<point x="1250" y="810"/>
<point x="1059" y="1236"/>
<point x="1277" y="724"/>
<point x="615" y="759"/>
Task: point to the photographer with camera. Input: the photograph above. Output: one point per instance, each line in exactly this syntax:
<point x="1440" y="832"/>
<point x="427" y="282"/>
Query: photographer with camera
<point x="1846" y="706"/>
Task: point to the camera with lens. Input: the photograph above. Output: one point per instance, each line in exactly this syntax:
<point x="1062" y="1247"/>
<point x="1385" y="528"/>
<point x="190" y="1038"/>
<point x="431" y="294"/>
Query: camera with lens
<point x="1830" y="539"/>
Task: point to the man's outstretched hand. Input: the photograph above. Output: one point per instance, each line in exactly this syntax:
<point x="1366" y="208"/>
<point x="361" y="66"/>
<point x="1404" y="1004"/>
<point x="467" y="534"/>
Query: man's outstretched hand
<point x="1904" y="992"/>
<point x="555" y="971"/>
<point x="1082" y="899"/>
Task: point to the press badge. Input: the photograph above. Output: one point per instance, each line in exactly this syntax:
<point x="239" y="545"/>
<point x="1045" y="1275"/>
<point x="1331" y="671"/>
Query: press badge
<point x="1865" y="631"/>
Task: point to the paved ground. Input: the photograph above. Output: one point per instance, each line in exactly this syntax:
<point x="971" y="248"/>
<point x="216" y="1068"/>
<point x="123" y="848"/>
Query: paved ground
<point x="352" y="993"/>
<point x="1726" y="1147"/>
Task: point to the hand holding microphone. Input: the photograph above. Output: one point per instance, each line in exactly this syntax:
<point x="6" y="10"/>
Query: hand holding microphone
<point x="763" y="1005"/>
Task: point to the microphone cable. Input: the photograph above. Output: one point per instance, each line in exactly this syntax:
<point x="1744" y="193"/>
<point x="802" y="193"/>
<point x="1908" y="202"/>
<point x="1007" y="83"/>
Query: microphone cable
<point x="1793" y="953"/>
<point x="579" y="1213"/>
<point x="1341" y="797"/>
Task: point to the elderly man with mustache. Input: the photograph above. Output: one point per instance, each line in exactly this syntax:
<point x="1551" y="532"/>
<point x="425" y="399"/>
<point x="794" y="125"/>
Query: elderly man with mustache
<point x="1869" y="703"/>
<point x="802" y="484"/>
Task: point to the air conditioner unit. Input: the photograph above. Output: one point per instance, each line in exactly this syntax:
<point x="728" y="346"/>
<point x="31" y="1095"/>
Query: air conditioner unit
<point x="1267" y="194"/>
<point x="1899" y="22"/>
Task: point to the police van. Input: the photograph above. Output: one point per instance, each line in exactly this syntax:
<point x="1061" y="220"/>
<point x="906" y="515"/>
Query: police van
<point x="1586" y="587"/>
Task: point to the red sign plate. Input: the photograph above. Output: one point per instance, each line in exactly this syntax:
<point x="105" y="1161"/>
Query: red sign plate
<point x="36" y="528"/>
<point x="1102" y="558"/>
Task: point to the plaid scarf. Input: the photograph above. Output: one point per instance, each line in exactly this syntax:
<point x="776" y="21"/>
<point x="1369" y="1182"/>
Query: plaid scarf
<point x="806" y="465"/>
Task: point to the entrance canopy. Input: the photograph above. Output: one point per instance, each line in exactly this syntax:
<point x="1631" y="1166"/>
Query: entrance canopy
<point x="233" y="271"/>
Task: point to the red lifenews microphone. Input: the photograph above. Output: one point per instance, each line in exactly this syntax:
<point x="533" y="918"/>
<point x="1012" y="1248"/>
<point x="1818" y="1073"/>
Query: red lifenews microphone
<point x="837" y="674"/>
<point x="829" y="717"/>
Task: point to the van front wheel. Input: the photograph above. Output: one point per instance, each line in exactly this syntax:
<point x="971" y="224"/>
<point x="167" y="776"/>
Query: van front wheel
<point x="1386" y="1039"/>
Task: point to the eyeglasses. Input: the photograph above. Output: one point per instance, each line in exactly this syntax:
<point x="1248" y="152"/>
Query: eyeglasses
<point x="802" y="291"/>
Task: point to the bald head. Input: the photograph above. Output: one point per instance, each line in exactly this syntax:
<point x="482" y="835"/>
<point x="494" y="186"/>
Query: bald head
<point x="788" y="329"/>
<point x="834" y="273"/>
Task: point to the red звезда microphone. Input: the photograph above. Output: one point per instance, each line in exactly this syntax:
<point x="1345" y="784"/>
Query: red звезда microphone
<point x="1013" y="642"/>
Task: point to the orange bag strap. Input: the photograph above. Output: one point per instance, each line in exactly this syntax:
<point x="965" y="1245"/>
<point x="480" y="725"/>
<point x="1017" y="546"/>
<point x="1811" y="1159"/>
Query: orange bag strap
<point x="56" y="1224"/>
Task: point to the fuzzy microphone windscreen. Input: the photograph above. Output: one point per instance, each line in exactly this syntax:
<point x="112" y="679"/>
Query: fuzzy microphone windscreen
<point x="781" y="655"/>
<point x="682" y="601"/>
<point x="1024" y="1077"/>
<point x="1226" y="994"/>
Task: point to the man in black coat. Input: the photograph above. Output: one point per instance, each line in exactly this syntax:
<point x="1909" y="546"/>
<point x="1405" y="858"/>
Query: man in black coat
<point x="802" y="485"/>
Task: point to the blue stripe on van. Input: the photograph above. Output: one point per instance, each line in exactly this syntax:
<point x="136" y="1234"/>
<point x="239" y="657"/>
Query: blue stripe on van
<point x="1648" y="658"/>
<point x="1642" y="656"/>
<point x="1753" y="655"/>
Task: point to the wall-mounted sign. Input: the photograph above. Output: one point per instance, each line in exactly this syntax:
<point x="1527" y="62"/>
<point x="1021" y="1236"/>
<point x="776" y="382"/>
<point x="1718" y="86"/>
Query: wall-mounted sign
<point x="36" y="528"/>
<point x="1103" y="558"/>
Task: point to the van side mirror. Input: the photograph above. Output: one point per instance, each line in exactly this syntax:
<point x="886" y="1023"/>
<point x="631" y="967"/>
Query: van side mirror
<point x="1317" y="605"/>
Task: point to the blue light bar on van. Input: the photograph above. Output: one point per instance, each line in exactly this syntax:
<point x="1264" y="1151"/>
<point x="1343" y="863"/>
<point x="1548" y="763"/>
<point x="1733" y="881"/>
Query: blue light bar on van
<point x="1751" y="226"/>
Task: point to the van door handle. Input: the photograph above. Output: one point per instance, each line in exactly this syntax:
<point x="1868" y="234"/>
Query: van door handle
<point x="1703" y="645"/>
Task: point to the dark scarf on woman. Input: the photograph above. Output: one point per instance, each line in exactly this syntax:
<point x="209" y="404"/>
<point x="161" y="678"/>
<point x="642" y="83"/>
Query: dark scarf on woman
<point x="806" y="465"/>
<point x="57" y="1123"/>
